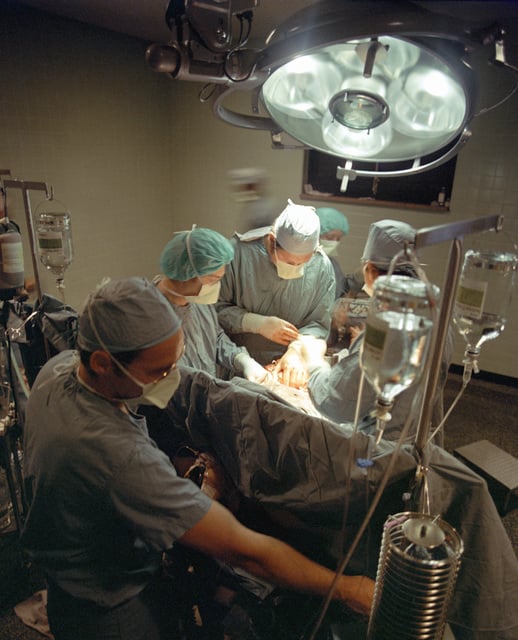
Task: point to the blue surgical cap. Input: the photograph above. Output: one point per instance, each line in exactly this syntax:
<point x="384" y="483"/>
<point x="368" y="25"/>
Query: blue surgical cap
<point x="332" y="220"/>
<point x="198" y="252"/>
<point x="386" y="239"/>
<point x="128" y="314"/>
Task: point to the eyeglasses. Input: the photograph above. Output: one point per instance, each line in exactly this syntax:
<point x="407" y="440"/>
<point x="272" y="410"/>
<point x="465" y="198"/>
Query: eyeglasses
<point x="169" y="371"/>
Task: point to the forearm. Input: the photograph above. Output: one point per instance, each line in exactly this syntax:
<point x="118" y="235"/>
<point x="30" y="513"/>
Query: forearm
<point x="230" y="317"/>
<point x="286" y="567"/>
<point x="222" y="536"/>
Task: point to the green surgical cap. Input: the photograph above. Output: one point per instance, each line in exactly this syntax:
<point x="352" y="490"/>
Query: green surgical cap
<point x="126" y="315"/>
<point x="332" y="220"/>
<point x="198" y="252"/>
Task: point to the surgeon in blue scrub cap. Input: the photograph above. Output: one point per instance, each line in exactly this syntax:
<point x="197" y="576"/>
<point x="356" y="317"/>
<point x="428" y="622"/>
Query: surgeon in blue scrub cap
<point x="334" y="226"/>
<point x="106" y="502"/>
<point x="192" y="264"/>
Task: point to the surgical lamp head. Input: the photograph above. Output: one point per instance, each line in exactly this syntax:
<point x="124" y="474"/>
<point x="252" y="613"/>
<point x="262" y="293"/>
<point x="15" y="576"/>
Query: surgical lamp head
<point x="388" y="86"/>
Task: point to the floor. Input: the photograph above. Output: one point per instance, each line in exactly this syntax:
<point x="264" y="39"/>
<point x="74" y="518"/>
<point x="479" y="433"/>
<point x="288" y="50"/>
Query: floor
<point x="486" y="410"/>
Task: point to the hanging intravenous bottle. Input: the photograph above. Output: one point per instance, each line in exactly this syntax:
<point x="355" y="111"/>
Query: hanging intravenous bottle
<point x="396" y="340"/>
<point x="54" y="236"/>
<point x="483" y="297"/>
<point x="11" y="259"/>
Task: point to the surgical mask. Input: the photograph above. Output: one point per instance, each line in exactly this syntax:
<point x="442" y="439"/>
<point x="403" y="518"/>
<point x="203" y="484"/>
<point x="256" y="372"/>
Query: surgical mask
<point x="288" y="271"/>
<point x="157" y="393"/>
<point x="208" y="294"/>
<point x="329" y="246"/>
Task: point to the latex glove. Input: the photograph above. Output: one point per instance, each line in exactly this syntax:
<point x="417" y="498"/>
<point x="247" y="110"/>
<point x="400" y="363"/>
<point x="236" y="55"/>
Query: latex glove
<point x="250" y="368"/>
<point x="291" y="370"/>
<point x="275" y="329"/>
<point x="302" y="356"/>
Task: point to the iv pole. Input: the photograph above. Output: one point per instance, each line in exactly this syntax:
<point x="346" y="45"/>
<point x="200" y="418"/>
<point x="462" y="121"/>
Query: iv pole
<point x="425" y="238"/>
<point x="9" y="428"/>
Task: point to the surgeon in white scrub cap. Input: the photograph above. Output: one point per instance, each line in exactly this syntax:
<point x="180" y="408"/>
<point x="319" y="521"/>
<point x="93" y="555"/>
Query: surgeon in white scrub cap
<point x="193" y="263"/>
<point x="277" y="292"/>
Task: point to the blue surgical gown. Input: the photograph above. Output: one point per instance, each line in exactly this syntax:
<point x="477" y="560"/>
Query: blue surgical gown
<point x="251" y="284"/>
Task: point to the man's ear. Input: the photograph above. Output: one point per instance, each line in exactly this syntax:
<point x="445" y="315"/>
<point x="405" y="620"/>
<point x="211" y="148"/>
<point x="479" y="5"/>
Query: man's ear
<point x="101" y="363"/>
<point x="271" y="242"/>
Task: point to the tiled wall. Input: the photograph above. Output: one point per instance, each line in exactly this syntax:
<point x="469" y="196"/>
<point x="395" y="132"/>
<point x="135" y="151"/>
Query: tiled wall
<point x="135" y="156"/>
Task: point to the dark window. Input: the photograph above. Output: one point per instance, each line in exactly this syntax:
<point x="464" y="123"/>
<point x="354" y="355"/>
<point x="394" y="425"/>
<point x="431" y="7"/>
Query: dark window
<point x="320" y="172"/>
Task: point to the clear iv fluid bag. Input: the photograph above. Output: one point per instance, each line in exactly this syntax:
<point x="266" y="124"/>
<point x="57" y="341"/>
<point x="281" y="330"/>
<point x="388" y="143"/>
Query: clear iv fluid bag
<point x="55" y="241"/>
<point x="483" y="295"/>
<point x="397" y="333"/>
<point x="393" y="351"/>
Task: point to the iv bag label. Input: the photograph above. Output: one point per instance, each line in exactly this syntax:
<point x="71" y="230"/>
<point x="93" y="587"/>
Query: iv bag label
<point x="471" y="297"/>
<point x="374" y="339"/>
<point x="50" y="242"/>
<point x="12" y="257"/>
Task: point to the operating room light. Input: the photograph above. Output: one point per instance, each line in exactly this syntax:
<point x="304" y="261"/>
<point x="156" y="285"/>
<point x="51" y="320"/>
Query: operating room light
<point x="369" y="82"/>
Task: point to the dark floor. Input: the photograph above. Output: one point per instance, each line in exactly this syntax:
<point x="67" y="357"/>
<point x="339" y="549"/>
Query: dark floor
<point x="486" y="411"/>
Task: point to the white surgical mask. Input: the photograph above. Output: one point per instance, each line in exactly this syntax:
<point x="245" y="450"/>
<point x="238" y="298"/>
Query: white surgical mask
<point x="288" y="271"/>
<point x="208" y="294"/>
<point x="329" y="246"/>
<point x="157" y="393"/>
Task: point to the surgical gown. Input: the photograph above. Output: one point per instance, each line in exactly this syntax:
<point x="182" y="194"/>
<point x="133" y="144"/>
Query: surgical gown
<point x="207" y="346"/>
<point x="104" y="500"/>
<point x="251" y="284"/>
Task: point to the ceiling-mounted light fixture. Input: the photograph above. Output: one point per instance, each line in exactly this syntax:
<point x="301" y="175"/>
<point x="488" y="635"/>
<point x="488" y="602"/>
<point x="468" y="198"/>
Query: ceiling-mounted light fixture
<point x="389" y="87"/>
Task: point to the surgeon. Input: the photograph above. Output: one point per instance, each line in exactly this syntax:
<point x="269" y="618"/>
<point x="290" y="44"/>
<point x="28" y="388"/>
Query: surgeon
<point x="334" y="390"/>
<point x="277" y="292"/>
<point x="334" y="226"/>
<point x="105" y="502"/>
<point x="193" y="263"/>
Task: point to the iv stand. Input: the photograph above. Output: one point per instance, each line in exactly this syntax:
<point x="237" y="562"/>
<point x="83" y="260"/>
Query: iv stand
<point x="25" y="187"/>
<point x="426" y="238"/>
<point x="9" y="427"/>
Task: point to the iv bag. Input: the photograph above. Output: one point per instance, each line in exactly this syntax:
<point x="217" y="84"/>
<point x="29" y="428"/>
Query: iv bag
<point x="11" y="259"/>
<point x="483" y="295"/>
<point x="54" y="238"/>
<point x="397" y="334"/>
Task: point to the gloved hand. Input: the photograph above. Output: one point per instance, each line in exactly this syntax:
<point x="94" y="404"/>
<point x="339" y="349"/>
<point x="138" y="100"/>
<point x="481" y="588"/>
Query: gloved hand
<point x="291" y="370"/>
<point x="303" y="355"/>
<point x="250" y="368"/>
<point x="275" y="329"/>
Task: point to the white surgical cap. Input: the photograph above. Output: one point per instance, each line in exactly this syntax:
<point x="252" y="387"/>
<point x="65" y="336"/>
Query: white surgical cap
<point x="297" y="229"/>
<point x="126" y="315"/>
<point x="386" y="239"/>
